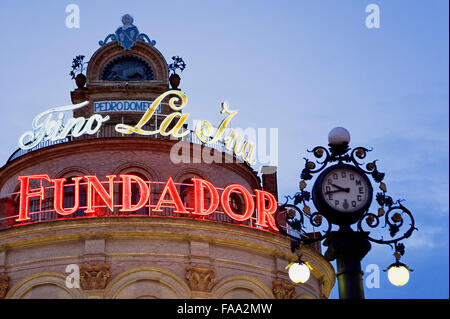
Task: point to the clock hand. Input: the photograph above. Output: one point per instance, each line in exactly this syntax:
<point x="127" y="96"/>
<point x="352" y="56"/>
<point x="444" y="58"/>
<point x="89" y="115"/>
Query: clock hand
<point x="341" y="188"/>
<point x="338" y="190"/>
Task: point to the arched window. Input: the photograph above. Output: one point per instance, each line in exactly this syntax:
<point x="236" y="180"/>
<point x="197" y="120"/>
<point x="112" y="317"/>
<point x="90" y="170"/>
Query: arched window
<point x="237" y="203"/>
<point x="127" y="68"/>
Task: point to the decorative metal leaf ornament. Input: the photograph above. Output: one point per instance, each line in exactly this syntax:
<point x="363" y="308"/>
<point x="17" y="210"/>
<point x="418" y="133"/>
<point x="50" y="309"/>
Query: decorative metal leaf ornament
<point x="307" y="210"/>
<point x="302" y="185"/>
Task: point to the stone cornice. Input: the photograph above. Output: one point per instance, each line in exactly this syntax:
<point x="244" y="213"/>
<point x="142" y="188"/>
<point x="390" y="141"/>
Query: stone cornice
<point x="234" y="236"/>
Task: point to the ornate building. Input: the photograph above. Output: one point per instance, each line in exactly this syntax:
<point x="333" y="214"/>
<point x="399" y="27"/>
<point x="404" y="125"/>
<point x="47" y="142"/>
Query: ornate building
<point x="144" y="252"/>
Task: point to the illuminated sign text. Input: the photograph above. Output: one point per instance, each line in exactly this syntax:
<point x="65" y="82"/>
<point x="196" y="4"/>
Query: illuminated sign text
<point x="50" y="126"/>
<point x="123" y="106"/>
<point x="134" y="195"/>
<point x="46" y="128"/>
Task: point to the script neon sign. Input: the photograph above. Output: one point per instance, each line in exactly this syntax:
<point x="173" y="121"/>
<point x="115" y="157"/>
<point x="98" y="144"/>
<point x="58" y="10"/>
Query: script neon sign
<point x="46" y="128"/>
<point x="261" y="206"/>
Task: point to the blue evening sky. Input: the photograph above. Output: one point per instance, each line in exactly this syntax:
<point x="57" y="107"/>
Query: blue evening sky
<point x="303" y="67"/>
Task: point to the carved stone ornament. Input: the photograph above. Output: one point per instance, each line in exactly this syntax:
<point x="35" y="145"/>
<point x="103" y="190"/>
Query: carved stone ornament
<point x="200" y="278"/>
<point x="4" y="284"/>
<point x="94" y="277"/>
<point x="283" y="290"/>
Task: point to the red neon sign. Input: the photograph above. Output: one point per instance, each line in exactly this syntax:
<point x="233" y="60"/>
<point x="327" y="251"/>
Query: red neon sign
<point x="199" y="188"/>
<point x="144" y="192"/>
<point x="59" y="195"/>
<point x="175" y="201"/>
<point x="205" y="202"/>
<point x="25" y="194"/>
<point x="225" y="201"/>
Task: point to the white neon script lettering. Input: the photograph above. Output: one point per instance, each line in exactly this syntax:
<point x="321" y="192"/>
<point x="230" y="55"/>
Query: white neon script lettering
<point x="46" y="128"/>
<point x="203" y="130"/>
<point x="175" y="131"/>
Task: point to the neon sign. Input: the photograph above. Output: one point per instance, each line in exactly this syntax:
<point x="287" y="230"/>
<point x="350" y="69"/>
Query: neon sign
<point x="259" y="207"/>
<point x="174" y="131"/>
<point x="47" y="129"/>
<point x="203" y="130"/>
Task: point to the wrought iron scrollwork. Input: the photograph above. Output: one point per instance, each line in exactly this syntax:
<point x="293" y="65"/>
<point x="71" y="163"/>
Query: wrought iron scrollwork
<point x="391" y="215"/>
<point x="394" y="221"/>
<point x="291" y="221"/>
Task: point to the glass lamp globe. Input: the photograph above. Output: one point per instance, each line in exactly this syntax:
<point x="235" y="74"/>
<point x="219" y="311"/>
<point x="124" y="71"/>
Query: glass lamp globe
<point x="339" y="136"/>
<point x="299" y="272"/>
<point x="398" y="275"/>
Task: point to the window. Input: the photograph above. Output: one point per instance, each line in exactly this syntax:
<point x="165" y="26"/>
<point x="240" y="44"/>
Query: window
<point x="127" y="68"/>
<point x="237" y="203"/>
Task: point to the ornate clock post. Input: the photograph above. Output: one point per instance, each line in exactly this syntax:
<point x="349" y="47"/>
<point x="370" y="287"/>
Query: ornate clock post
<point x="348" y="248"/>
<point x="342" y="195"/>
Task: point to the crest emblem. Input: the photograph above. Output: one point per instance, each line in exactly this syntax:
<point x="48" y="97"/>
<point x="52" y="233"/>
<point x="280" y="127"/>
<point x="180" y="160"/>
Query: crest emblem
<point x="128" y="34"/>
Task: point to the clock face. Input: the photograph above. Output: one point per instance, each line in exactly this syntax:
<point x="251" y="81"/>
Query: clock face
<point x="346" y="190"/>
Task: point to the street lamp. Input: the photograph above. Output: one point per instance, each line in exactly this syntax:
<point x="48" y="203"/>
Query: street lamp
<point x="299" y="271"/>
<point x="339" y="136"/>
<point x="342" y="194"/>
<point x="398" y="273"/>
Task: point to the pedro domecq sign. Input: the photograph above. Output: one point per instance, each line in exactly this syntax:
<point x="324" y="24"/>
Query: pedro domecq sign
<point x="123" y="106"/>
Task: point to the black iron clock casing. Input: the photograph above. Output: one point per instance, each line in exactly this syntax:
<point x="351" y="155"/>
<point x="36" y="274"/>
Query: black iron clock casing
<point x="335" y="216"/>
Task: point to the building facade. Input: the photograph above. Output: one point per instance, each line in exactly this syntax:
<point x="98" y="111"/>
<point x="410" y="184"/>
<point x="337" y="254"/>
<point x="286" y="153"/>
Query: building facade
<point x="156" y="250"/>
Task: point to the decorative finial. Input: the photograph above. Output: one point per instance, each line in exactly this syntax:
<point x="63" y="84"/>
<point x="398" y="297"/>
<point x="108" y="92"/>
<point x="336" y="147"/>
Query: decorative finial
<point x="338" y="140"/>
<point x="127" y="19"/>
<point x="128" y="34"/>
<point x="339" y="136"/>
